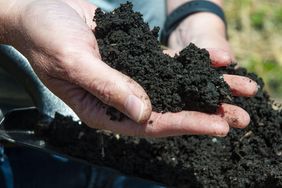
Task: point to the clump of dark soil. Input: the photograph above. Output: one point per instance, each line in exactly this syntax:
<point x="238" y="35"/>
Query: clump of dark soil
<point x="185" y="82"/>
<point x="250" y="157"/>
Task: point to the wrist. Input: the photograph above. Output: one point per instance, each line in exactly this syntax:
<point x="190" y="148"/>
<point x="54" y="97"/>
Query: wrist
<point x="197" y="25"/>
<point x="4" y="20"/>
<point x="198" y="16"/>
<point x="9" y="13"/>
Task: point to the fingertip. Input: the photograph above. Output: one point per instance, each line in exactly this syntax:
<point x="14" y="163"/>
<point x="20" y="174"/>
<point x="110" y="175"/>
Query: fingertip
<point x="170" y="52"/>
<point x="235" y="116"/>
<point x="253" y="87"/>
<point x="257" y="87"/>
<point x="244" y="119"/>
<point x="219" y="57"/>
<point x="241" y="85"/>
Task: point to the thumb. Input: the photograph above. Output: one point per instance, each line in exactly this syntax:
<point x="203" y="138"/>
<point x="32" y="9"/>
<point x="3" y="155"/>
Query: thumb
<point x="111" y="87"/>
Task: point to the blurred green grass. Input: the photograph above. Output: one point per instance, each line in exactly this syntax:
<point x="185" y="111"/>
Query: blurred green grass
<point x="255" y="33"/>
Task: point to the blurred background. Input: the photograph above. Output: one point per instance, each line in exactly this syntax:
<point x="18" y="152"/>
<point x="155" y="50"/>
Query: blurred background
<point x="255" y="33"/>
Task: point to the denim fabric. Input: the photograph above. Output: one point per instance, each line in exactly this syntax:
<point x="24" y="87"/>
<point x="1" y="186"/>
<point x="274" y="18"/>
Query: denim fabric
<point x="35" y="169"/>
<point x="29" y="168"/>
<point x="6" y="175"/>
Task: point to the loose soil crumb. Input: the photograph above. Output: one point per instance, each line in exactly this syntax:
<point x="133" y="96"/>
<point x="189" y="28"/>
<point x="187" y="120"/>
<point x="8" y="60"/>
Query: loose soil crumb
<point x="185" y="82"/>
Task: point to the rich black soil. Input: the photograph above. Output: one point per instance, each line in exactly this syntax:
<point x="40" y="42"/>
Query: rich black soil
<point x="251" y="157"/>
<point x="185" y="82"/>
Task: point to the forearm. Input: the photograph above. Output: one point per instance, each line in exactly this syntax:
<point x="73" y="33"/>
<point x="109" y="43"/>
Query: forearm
<point x="7" y="20"/>
<point x="198" y="24"/>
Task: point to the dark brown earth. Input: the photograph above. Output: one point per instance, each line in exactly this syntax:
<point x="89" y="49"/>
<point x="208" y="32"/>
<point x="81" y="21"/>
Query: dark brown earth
<point x="185" y="82"/>
<point x="250" y="157"/>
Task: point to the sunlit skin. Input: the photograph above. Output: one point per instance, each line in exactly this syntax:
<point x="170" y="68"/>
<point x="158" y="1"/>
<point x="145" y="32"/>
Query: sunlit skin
<point x="56" y="36"/>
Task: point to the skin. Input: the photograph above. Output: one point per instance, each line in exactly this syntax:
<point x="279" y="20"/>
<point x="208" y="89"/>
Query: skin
<point x="56" y="37"/>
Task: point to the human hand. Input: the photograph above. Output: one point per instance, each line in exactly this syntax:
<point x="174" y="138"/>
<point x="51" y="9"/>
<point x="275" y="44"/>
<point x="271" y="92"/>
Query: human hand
<point x="206" y="30"/>
<point x="56" y="37"/>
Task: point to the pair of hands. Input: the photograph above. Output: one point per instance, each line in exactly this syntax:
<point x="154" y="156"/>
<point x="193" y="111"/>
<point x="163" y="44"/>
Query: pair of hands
<point x="56" y="37"/>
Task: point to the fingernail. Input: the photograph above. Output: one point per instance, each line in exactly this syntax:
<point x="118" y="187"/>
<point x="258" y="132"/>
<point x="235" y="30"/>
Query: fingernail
<point x="134" y="107"/>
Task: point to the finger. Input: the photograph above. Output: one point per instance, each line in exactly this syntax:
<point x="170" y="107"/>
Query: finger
<point x="161" y="125"/>
<point x="110" y="86"/>
<point x="93" y="113"/>
<point x="241" y="85"/>
<point x="234" y="115"/>
<point x="219" y="58"/>
<point x="170" y="52"/>
<point x="185" y="123"/>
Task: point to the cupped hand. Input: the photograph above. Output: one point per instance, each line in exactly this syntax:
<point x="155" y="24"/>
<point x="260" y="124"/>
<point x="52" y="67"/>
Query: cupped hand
<point x="192" y="122"/>
<point x="56" y="36"/>
<point x="206" y="30"/>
